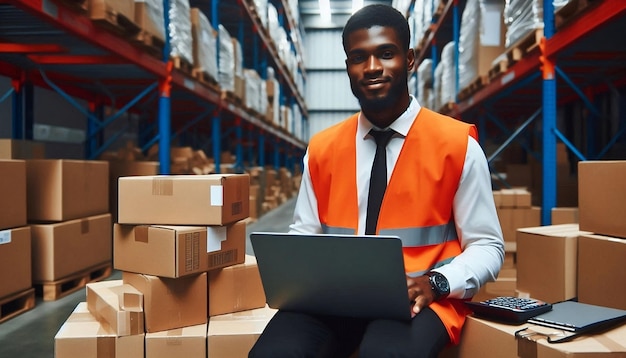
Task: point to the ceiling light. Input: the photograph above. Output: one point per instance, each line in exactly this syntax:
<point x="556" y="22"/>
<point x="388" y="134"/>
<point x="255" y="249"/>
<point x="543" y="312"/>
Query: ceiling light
<point x="325" y="10"/>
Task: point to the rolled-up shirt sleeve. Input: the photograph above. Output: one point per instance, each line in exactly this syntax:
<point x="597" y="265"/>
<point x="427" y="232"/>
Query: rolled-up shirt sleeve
<point x="478" y="228"/>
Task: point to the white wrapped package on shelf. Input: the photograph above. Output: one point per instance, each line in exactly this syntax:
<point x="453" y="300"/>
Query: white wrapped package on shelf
<point x="418" y="20"/>
<point x="205" y="43"/>
<point x="468" y="43"/>
<point x="436" y="102"/>
<point x="523" y="16"/>
<point x="180" y="30"/>
<point x="448" y="74"/>
<point x="226" y="61"/>
<point x="425" y="82"/>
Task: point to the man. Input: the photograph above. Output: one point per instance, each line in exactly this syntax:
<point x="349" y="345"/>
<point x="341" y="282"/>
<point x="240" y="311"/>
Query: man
<point x="438" y="199"/>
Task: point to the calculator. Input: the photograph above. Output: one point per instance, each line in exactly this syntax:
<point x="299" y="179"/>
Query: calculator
<point x="509" y="309"/>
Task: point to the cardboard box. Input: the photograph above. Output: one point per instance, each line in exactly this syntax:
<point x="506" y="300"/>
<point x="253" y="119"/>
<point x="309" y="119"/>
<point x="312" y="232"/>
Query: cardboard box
<point x="119" y="305"/>
<point x="176" y="251"/>
<point x="233" y="335"/>
<point x="120" y="168"/>
<point x="61" y="190"/>
<point x="171" y="303"/>
<point x="564" y="216"/>
<point x="15" y="261"/>
<point x="188" y="342"/>
<point x="547" y="259"/>
<point x="101" y="9"/>
<point x="602" y="197"/>
<point x="21" y="149"/>
<point x="601" y="274"/>
<point x="81" y="335"/>
<point x="68" y="247"/>
<point x="236" y="288"/>
<point x="13" y="190"/>
<point x="165" y="251"/>
<point x="487" y="339"/>
<point x="214" y="199"/>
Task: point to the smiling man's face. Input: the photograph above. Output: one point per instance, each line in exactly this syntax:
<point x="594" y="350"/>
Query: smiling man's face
<point x="378" y="66"/>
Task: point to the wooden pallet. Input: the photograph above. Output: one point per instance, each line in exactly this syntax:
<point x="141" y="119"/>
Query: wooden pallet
<point x="16" y="304"/>
<point x="447" y="108"/>
<point x="524" y="46"/>
<point x="571" y="11"/>
<point x="182" y="65"/>
<point x="77" y="5"/>
<point x="498" y="69"/>
<point x="106" y="16"/>
<point x="230" y="96"/>
<point x="478" y="83"/>
<point x="149" y="43"/>
<point x="205" y="78"/>
<point x="54" y="290"/>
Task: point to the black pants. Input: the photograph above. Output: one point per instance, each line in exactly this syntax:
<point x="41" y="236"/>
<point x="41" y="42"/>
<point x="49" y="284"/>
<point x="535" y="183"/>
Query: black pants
<point x="291" y="334"/>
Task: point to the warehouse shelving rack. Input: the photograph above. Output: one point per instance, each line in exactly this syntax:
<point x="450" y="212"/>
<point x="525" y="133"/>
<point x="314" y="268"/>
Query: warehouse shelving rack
<point x="47" y="44"/>
<point x="582" y="58"/>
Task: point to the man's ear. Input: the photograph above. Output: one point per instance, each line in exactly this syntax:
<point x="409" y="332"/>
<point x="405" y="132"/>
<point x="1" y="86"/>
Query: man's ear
<point x="410" y="59"/>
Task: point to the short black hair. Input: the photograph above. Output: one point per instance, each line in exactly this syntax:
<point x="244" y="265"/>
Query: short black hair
<point x="377" y="15"/>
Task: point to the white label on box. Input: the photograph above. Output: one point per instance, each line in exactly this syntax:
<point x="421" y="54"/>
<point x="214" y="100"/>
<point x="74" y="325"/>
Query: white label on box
<point x="214" y="237"/>
<point x="5" y="237"/>
<point x="490" y="28"/>
<point x="217" y="195"/>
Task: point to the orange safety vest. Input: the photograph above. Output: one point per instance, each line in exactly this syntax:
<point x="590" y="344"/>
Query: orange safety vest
<point x="417" y="206"/>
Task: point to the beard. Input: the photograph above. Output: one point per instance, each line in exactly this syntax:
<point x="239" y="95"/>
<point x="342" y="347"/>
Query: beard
<point x="381" y="102"/>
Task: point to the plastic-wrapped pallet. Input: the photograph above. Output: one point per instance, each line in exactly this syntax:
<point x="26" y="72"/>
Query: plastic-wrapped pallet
<point x="413" y="86"/>
<point x="523" y="16"/>
<point x="204" y="43"/>
<point x="468" y="43"/>
<point x="425" y="82"/>
<point x="180" y="30"/>
<point x="436" y="100"/>
<point x="149" y="17"/>
<point x="418" y="19"/>
<point x="253" y="88"/>
<point x="261" y="9"/>
<point x="226" y="60"/>
<point x="448" y="74"/>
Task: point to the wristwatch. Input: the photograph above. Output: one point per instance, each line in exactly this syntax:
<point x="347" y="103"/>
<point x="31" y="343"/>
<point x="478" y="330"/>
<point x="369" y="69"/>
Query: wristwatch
<point x="439" y="284"/>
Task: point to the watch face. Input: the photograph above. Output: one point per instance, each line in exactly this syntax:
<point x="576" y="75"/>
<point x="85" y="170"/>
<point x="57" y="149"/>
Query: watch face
<point x="440" y="283"/>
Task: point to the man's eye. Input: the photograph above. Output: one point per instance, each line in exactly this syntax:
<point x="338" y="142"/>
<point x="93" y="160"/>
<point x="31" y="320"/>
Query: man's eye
<point x="387" y="55"/>
<point x="357" y="59"/>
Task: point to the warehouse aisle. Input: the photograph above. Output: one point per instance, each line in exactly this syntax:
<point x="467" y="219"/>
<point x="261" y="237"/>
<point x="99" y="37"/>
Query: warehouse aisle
<point x="31" y="334"/>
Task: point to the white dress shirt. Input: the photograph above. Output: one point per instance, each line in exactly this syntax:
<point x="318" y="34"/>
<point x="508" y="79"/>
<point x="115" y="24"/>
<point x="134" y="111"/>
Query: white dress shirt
<point x="474" y="210"/>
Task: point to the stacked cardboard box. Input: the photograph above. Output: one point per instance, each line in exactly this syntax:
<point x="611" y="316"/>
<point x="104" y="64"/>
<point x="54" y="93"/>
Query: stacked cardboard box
<point x="68" y="209"/>
<point x="602" y="203"/>
<point x="15" y="241"/>
<point x="180" y="244"/>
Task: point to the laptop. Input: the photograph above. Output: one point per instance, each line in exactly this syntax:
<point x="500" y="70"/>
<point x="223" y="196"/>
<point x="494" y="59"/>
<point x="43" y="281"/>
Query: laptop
<point x="339" y="275"/>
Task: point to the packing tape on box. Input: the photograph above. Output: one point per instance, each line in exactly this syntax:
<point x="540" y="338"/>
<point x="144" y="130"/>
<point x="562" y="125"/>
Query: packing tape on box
<point x="105" y="347"/>
<point x="162" y="186"/>
<point x="84" y="226"/>
<point x="141" y="233"/>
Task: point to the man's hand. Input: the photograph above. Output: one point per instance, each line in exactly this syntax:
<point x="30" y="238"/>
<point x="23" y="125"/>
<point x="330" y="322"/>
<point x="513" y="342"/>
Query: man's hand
<point x="420" y="293"/>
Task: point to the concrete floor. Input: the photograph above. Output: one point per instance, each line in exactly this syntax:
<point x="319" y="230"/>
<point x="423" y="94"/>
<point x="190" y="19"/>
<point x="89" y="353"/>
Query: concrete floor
<point x="31" y="334"/>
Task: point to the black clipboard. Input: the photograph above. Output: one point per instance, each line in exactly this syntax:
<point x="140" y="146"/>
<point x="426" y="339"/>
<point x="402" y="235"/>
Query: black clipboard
<point x="573" y="319"/>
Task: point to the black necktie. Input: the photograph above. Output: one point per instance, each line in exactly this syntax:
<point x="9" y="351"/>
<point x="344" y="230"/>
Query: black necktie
<point x="378" y="180"/>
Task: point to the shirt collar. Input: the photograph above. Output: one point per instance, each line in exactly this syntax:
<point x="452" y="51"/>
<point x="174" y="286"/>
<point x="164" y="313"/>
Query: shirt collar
<point x="401" y="125"/>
